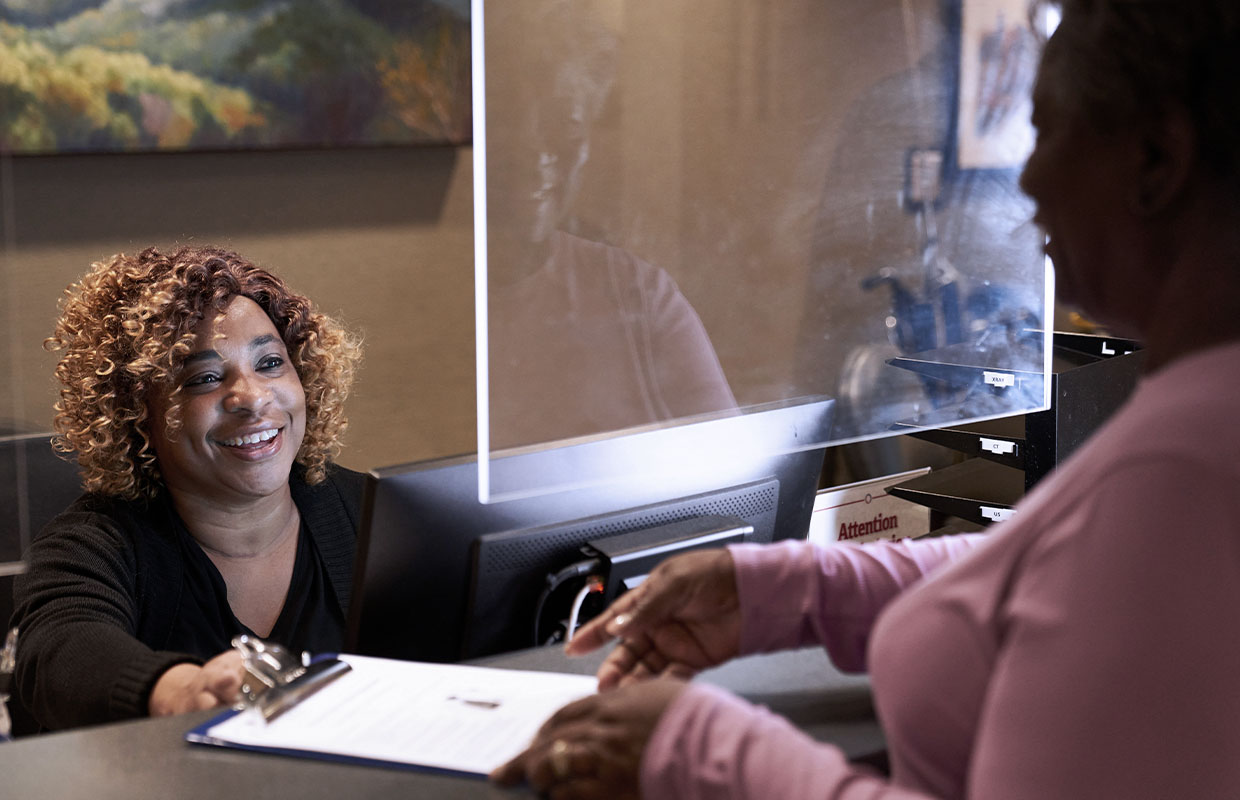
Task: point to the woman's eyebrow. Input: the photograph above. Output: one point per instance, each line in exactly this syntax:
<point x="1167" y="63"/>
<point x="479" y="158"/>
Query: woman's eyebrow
<point x="201" y="355"/>
<point x="213" y="355"/>
<point x="262" y="341"/>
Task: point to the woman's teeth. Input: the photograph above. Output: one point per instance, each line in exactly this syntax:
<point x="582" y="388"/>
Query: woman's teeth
<point x="252" y="438"/>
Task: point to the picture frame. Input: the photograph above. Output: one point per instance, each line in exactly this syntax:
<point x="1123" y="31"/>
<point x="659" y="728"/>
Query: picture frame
<point x="87" y="76"/>
<point x="998" y="62"/>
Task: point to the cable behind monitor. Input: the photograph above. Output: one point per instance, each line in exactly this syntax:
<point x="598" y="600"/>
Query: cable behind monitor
<point x="509" y="569"/>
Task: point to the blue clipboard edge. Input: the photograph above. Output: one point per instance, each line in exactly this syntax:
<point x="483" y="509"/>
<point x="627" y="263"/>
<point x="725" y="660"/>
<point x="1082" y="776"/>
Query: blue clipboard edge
<point x="201" y="735"/>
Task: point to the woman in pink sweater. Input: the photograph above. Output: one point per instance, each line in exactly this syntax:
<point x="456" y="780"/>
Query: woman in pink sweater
<point x="1090" y="647"/>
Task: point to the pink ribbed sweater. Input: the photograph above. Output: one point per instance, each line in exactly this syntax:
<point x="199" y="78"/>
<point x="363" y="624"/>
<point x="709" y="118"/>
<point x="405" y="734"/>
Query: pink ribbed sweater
<point x="1089" y="648"/>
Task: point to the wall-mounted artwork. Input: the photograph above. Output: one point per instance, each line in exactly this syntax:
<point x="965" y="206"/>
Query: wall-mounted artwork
<point x="166" y="75"/>
<point x="998" y="61"/>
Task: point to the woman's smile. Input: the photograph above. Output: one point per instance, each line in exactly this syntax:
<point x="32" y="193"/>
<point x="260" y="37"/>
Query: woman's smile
<point x="254" y="446"/>
<point x="242" y="410"/>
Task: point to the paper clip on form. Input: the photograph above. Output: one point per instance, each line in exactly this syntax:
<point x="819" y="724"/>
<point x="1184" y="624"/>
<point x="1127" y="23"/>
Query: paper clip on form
<point x="276" y="680"/>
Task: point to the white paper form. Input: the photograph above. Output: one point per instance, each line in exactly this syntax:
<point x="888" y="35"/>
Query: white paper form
<point x="441" y="716"/>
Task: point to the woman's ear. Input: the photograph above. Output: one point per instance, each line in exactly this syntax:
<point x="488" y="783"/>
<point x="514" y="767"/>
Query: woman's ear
<point x="1167" y="153"/>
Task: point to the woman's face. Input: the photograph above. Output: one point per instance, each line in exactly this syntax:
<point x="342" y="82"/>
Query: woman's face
<point x="243" y="411"/>
<point x="1080" y="180"/>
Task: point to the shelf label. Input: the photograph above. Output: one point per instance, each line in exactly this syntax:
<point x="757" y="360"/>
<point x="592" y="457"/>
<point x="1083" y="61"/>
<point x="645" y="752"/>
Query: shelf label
<point x="998" y="514"/>
<point x="998" y="446"/>
<point x="1000" y="379"/>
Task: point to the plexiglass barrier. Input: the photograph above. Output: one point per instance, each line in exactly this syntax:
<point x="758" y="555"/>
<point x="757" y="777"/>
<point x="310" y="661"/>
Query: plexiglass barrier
<point x="699" y="209"/>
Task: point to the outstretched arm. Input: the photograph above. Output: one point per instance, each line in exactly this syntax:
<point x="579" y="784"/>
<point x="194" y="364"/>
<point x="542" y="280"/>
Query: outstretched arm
<point x="683" y="618"/>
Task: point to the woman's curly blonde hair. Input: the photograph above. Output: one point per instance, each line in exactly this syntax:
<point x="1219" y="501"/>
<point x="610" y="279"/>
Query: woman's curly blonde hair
<point x="124" y="332"/>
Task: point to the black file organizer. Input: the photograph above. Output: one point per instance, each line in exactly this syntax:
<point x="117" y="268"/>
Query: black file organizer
<point x="1091" y="376"/>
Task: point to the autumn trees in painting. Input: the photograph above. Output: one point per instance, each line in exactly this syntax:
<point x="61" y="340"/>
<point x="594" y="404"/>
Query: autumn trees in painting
<point x="136" y="75"/>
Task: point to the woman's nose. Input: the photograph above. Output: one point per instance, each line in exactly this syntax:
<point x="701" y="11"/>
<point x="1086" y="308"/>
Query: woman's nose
<point x="246" y="394"/>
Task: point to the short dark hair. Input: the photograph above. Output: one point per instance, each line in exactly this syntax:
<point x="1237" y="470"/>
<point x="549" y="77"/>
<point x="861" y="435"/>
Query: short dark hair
<point x="1129" y="60"/>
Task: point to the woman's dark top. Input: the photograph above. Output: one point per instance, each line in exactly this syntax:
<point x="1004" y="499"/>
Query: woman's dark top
<point x="311" y="619"/>
<point x="116" y="592"/>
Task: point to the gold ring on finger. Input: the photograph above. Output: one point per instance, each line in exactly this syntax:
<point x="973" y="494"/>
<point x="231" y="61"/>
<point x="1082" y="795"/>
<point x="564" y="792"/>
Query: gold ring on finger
<point x="561" y="763"/>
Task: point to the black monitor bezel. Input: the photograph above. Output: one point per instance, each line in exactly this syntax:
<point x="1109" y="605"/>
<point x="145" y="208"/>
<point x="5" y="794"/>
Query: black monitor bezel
<point x="411" y="510"/>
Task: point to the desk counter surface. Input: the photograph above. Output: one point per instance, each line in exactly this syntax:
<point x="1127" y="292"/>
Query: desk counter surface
<point x="150" y="759"/>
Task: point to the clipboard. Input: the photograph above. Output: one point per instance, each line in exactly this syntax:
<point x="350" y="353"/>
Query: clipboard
<point x="275" y="681"/>
<point x="445" y="718"/>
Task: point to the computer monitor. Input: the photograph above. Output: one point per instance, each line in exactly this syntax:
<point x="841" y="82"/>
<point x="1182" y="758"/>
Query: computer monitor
<point x="440" y="576"/>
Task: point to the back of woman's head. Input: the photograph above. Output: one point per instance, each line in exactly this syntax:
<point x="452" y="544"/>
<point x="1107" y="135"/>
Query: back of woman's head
<point x="1125" y="61"/>
<point x="124" y="331"/>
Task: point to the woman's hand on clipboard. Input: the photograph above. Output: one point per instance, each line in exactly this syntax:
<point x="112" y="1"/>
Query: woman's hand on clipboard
<point x="193" y="687"/>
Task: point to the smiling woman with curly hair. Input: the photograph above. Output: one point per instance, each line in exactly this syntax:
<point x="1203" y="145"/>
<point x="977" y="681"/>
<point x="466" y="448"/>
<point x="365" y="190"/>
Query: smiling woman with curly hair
<point x="126" y="327"/>
<point x="203" y="400"/>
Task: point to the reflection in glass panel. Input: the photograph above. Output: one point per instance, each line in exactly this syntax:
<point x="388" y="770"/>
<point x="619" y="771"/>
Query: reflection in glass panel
<point x="698" y="208"/>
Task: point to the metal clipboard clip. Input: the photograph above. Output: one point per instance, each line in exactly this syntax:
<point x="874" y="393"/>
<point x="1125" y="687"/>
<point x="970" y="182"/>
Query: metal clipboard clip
<point x="276" y="680"/>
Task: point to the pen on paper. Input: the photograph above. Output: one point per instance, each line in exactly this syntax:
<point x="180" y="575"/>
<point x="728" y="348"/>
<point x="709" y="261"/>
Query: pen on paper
<point x="476" y="702"/>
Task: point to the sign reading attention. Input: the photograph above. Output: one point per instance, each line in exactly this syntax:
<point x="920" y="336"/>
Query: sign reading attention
<point x="864" y="512"/>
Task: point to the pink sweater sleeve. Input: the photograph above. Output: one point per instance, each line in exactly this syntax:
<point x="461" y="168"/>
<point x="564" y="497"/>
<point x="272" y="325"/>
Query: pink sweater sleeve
<point x="1095" y="690"/>
<point x="714" y="746"/>
<point x="794" y="594"/>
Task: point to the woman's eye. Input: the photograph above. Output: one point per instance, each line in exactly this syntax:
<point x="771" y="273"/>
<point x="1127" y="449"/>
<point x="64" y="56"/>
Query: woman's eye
<point x="271" y="362"/>
<point x="205" y="379"/>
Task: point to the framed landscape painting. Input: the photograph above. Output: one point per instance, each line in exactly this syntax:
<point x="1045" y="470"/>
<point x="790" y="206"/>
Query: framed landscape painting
<point x="172" y="75"/>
